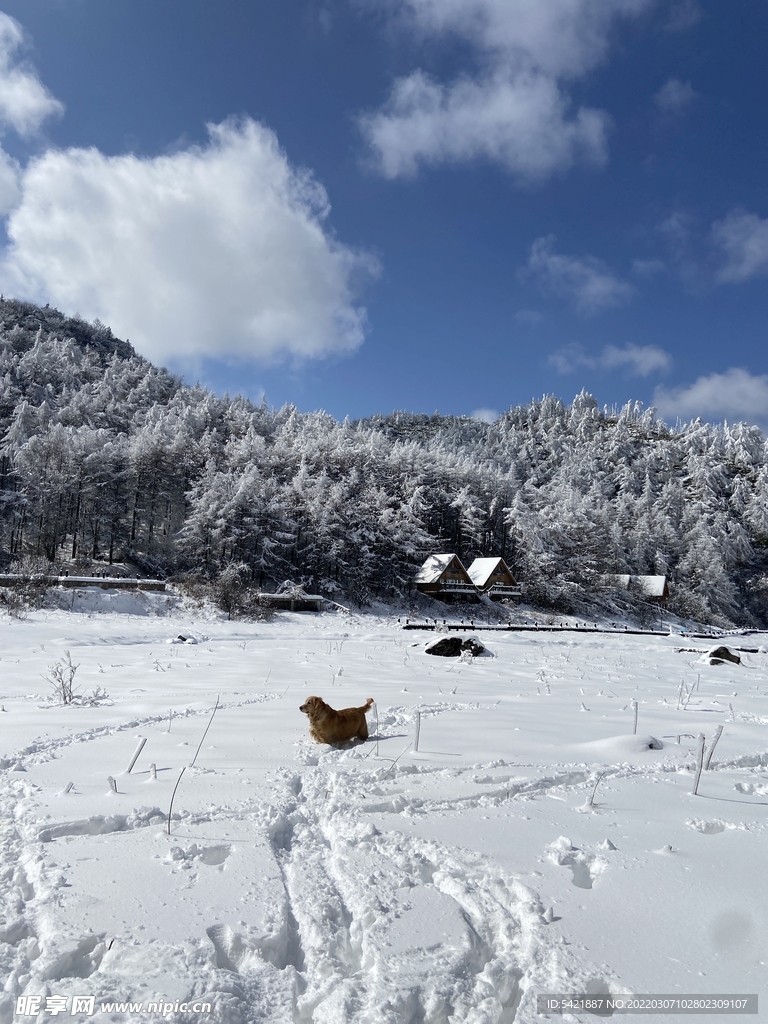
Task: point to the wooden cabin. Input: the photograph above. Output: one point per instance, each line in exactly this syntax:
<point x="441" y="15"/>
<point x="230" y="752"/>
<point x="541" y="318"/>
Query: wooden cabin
<point x="444" y="577"/>
<point x="652" y="588"/>
<point x="492" y="577"/>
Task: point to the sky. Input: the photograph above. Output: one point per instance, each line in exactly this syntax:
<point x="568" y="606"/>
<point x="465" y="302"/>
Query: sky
<point x="426" y="205"/>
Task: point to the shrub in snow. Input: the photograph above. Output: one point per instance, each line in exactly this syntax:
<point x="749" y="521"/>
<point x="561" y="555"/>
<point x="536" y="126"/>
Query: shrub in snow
<point x="61" y="678"/>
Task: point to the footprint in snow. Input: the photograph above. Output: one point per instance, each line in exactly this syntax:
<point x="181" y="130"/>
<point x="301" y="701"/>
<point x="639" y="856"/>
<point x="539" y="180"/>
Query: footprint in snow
<point x="586" y="868"/>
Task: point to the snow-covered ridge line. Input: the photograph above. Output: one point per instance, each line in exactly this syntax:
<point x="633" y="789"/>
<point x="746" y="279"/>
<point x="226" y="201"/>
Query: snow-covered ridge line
<point x="253" y="495"/>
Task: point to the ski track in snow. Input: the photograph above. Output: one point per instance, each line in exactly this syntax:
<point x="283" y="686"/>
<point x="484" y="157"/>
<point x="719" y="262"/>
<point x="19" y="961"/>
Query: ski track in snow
<point x="44" y="749"/>
<point x="342" y="948"/>
<point x="369" y="928"/>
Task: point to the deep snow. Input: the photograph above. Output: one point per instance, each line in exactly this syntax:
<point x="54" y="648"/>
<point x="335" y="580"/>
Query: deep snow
<point x="377" y="884"/>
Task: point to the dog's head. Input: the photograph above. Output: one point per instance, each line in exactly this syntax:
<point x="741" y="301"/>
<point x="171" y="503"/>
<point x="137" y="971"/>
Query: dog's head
<point x="312" y="706"/>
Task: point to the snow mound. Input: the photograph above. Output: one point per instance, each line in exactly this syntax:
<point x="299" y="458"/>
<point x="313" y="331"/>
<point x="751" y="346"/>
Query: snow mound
<point x="614" y="748"/>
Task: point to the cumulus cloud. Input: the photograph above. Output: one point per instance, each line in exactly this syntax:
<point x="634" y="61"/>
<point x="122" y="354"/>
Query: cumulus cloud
<point x="562" y="37"/>
<point x="514" y="107"/>
<point x="586" y="281"/>
<point x="518" y="121"/>
<point x="24" y="101"/>
<point x="674" y="96"/>
<point x="742" y="238"/>
<point x="219" y="251"/>
<point x="638" y="360"/>
<point x="735" y="395"/>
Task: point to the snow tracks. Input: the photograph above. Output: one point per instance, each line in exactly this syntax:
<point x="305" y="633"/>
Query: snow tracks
<point x="389" y="928"/>
<point x="322" y="915"/>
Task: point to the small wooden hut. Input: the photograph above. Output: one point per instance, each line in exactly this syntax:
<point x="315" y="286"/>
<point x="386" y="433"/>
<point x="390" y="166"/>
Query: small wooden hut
<point x="652" y="588"/>
<point x="444" y="577"/>
<point x="492" y="577"/>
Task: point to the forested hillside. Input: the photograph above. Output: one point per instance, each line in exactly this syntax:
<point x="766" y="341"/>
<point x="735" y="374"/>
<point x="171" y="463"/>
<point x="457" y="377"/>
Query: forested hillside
<point x="106" y="457"/>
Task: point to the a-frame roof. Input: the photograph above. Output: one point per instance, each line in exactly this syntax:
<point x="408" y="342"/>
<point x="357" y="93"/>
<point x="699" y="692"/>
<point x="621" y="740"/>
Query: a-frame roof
<point x="435" y="566"/>
<point x="650" y="586"/>
<point x="482" y="569"/>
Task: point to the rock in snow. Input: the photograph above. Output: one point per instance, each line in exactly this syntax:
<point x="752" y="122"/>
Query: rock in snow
<point x="717" y="655"/>
<point x="454" y="646"/>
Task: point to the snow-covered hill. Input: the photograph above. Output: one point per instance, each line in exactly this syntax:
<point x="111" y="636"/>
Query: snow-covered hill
<point x="105" y="458"/>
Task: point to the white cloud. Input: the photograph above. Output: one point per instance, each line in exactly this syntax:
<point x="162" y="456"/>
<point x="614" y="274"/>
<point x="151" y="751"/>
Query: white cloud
<point x="220" y="251"/>
<point x="586" y="281"/>
<point x="734" y="395"/>
<point x="24" y="101"/>
<point x="518" y="121"/>
<point x="485" y="415"/>
<point x="743" y="239"/>
<point x="562" y="37"/>
<point x="515" y="109"/>
<point x="674" y="96"/>
<point x="638" y="360"/>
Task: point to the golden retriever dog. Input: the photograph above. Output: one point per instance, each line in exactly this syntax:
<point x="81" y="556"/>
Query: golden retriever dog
<point x="326" y="725"/>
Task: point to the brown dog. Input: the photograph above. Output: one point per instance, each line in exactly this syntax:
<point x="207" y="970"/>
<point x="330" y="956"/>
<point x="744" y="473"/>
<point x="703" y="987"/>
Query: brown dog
<point x="326" y="725"/>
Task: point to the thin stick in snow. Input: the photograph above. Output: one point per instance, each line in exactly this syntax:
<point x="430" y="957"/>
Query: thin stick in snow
<point x="635" y="708"/>
<point x="170" y="718"/>
<point x="699" y="763"/>
<point x="417" y="730"/>
<point x="135" y="757"/>
<point x="710" y="752"/>
<point x="173" y="794"/>
<point x="375" y="708"/>
<point x="684" y="695"/>
<point x="386" y="773"/>
<point x="112" y="783"/>
<point x="205" y="733"/>
<point x="591" y="801"/>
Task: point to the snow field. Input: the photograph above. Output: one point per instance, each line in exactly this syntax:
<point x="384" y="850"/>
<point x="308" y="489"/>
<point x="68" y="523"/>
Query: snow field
<point x="376" y="884"/>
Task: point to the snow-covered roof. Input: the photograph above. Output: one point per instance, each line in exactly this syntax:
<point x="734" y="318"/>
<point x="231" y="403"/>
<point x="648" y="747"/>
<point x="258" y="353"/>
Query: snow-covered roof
<point x="434" y="567"/>
<point x="482" y="569"/>
<point x="651" y="586"/>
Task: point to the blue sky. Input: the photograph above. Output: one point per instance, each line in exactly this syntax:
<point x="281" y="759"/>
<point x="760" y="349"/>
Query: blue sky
<point x="369" y="205"/>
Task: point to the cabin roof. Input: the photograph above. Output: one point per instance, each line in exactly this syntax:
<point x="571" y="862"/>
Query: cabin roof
<point x="435" y="566"/>
<point x="651" y="586"/>
<point x="482" y="569"/>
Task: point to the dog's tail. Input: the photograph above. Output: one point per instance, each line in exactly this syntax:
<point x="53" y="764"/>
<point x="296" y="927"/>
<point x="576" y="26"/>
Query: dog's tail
<point x="367" y="706"/>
